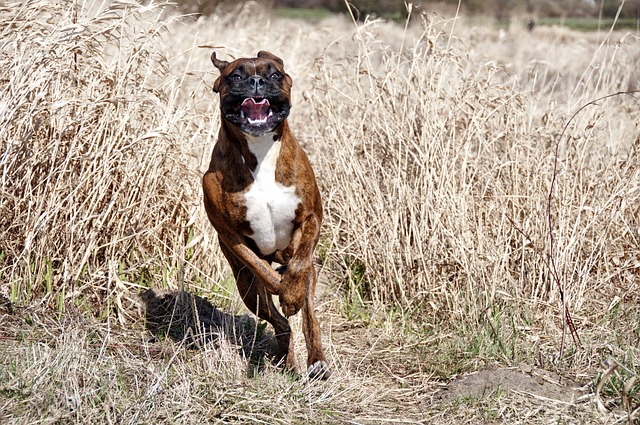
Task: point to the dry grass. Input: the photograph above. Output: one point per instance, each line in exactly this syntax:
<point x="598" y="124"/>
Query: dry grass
<point x="435" y="146"/>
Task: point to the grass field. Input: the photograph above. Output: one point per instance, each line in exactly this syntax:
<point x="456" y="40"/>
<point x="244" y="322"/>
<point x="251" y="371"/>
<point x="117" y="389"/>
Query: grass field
<point x="480" y="253"/>
<point x="594" y="24"/>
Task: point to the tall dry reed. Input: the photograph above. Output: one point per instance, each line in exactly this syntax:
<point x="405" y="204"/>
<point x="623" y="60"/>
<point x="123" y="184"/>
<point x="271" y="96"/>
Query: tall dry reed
<point x="435" y="154"/>
<point x="98" y="178"/>
<point x="439" y="165"/>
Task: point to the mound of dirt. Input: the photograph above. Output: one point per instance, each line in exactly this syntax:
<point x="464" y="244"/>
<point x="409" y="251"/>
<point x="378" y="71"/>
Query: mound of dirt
<point x="524" y="379"/>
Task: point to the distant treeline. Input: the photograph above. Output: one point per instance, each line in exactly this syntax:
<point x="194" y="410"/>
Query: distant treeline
<point x="501" y="9"/>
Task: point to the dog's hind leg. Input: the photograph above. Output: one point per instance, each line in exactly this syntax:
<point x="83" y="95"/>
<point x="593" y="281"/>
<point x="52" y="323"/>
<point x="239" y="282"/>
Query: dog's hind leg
<point x="259" y="302"/>
<point x="317" y="366"/>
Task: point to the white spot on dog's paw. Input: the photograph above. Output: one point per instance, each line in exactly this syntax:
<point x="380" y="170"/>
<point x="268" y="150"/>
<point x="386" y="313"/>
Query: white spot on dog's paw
<point x="319" y="371"/>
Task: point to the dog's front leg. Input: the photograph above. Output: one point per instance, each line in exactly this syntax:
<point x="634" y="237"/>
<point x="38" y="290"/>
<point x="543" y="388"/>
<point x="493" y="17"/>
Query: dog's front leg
<point x="300" y="273"/>
<point x="259" y="267"/>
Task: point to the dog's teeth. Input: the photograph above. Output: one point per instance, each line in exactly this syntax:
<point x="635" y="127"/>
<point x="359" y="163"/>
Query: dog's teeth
<point x="270" y="112"/>
<point x="259" y="121"/>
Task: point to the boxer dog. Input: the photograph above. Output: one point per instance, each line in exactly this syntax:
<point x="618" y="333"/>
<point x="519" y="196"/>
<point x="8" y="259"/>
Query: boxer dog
<point x="261" y="196"/>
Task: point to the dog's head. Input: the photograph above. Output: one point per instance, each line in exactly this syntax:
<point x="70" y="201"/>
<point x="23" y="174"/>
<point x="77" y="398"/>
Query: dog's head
<point x="254" y="92"/>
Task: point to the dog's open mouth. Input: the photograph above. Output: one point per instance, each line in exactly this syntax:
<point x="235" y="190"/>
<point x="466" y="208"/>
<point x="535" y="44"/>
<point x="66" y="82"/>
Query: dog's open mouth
<point x="257" y="115"/>
<point x="255" y="110"/>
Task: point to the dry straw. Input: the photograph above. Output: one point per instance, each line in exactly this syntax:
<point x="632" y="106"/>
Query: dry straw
<point x="94" y="168"/>
<point x="439" y="172"/>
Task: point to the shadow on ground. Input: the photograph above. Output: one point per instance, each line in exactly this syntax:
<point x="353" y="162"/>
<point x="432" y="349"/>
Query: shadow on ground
<point x="182" y="316"/>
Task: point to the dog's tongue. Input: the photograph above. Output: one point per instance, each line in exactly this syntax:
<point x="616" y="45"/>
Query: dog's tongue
<point x="255" y="111"/>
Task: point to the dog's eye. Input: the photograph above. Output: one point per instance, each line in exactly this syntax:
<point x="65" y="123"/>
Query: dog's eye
<point x="235" y="77"/>
<point x="275" y="76"/>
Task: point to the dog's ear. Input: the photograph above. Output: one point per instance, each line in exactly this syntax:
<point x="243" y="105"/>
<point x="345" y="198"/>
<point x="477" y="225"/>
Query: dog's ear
<point x="216" y="85"/>
<point x="266" y="55"/>
<point x="221" y="65"/>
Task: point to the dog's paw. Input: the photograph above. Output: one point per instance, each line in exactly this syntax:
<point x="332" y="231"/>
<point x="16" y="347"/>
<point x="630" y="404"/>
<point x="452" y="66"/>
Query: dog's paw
<point x="289" y="305"/>
<point x="319" y="371"/>
<point x="291" y="300"/>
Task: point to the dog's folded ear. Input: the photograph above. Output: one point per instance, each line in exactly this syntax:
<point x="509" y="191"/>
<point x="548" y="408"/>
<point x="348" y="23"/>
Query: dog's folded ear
<point x="266" y="55"/>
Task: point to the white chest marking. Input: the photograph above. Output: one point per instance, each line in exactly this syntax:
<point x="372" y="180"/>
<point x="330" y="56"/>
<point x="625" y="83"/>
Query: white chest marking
<point x="271" y="206"/>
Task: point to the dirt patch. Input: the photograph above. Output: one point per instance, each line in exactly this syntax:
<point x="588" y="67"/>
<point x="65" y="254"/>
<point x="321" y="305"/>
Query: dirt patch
<point x="523" y="379"/>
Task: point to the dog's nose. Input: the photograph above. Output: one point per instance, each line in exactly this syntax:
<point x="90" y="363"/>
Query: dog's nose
<point x="257" y="82"/>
